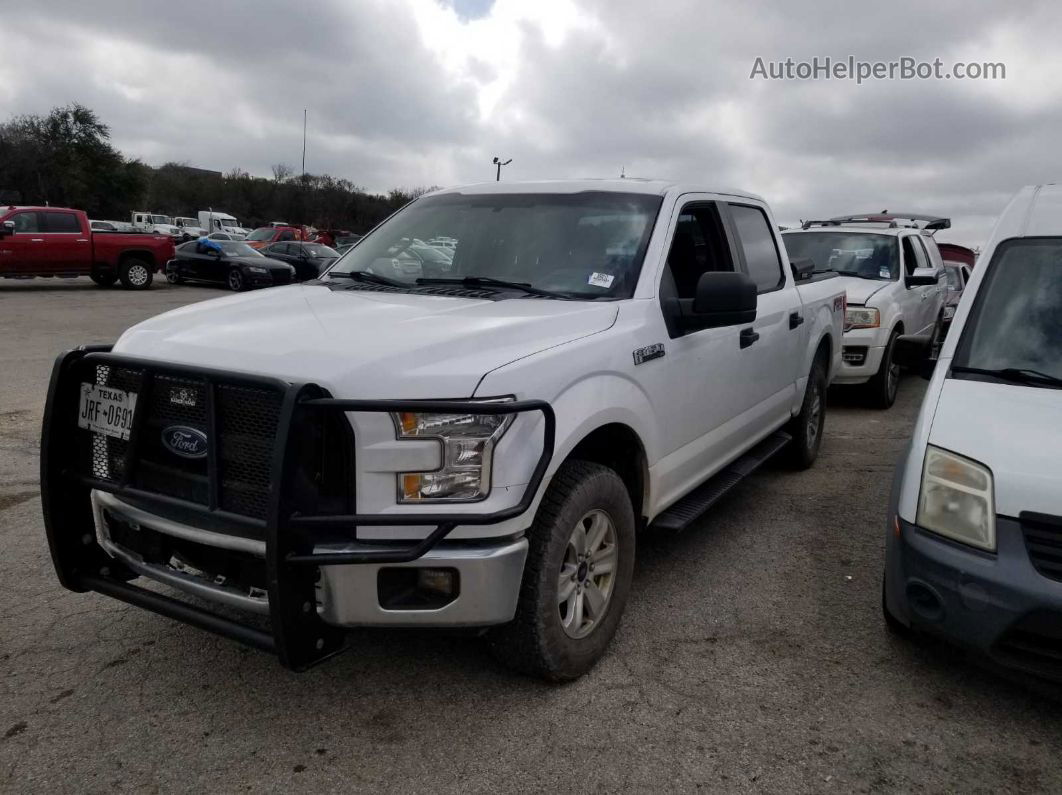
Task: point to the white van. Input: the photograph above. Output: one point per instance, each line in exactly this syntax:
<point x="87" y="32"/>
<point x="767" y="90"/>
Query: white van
<point x="974" y="537"/>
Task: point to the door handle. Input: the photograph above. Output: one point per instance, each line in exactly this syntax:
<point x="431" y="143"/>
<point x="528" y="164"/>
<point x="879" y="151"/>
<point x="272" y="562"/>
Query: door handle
<point x="795" y="320"/>
<point x="747" y="337"/>
<point x="36" y="240"/>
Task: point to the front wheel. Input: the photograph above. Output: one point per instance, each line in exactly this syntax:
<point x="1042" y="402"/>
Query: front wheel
<point x="881" y="389"/>
<point x="173" y="277"/>
<point x="806" y="427"/>
<point x="135" y="274"/>
<point x="577" y="576"/>
<point x="235" y="280"/>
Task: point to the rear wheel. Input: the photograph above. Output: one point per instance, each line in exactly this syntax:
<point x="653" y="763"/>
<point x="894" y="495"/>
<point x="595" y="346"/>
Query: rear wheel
<point x="235" y="280"/>
<point x="135" y="274"/>
<point x="882" y="388"/>
<point x="577" y="577"/>
<point x="103" y="279"/>
<point x="806" y="427"/>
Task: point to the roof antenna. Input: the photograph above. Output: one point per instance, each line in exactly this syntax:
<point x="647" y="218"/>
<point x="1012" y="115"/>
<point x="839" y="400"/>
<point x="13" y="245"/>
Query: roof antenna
<point x="623" y="172"/>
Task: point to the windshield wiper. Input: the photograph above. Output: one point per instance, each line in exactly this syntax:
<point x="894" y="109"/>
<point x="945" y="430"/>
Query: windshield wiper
<point x="1017" y="375"/>
<point x="487" y="281"/>
<point x="861" y="275"/>
<point x="371" y="278"/>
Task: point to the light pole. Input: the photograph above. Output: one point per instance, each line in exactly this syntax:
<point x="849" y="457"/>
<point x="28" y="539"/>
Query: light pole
<point x="304" y="142"/>
<point x="499" y="164"/>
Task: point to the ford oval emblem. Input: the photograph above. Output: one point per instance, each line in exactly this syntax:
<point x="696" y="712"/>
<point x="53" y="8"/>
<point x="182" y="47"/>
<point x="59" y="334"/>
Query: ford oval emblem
<point x="184" y="441"/>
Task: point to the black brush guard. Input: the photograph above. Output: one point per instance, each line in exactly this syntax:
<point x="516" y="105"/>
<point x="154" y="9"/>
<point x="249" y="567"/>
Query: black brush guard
<point x="297" y="635"/>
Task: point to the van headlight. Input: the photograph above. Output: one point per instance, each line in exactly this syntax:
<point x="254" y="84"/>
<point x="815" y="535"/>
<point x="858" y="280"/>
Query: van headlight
<point x="861" y="317"/>
<point x="955" y="499"/>
<point x="468" y="442"/>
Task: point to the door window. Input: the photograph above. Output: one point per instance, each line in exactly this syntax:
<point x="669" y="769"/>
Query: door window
<point x="61" y="222"/>
<point x="758" y="245"/>
<point x="698" y="246"/>
<point x="914" y="254"/>
<point x="26" y="223"/>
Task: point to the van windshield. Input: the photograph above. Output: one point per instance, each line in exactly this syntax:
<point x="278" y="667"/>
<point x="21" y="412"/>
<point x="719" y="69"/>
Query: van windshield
<point x="868" y="256"/>
<point x="583" y="245"/>
<point x="1015" y="324"/>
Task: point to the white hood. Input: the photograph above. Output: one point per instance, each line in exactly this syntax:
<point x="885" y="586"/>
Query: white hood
<point x="362" y="344"/>
<point x="1015" y="431"/>
<point x="859" y="291"/>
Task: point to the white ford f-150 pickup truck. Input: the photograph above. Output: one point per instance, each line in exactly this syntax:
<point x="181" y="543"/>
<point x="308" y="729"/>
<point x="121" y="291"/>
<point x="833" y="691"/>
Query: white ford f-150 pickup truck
<point x="893" y="274"/>
<point x="391" y="446"/>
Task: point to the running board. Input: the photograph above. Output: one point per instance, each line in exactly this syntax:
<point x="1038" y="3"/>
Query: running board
<point x="695" y="504"/>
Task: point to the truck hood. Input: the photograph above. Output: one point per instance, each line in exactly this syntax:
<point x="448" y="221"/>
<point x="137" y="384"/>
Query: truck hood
<point x="1015" y="431"/>
<point x="363" y="344"/>
<point x="860" y="291"/>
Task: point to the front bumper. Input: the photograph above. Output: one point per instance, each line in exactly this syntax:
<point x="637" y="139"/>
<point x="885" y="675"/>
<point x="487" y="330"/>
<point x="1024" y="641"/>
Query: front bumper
<point x="295" y="560"/>
<point x="995" y="604"/>
<point x="861" y="354"/>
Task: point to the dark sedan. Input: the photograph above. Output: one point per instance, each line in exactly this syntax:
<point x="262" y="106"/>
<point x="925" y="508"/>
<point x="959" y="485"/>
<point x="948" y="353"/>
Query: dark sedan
<point x="310" y="260"/>
<point x="229" y="262"/>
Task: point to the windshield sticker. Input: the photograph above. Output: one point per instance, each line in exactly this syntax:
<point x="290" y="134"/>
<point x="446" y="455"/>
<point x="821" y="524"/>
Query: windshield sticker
<point x="601" y="280"/>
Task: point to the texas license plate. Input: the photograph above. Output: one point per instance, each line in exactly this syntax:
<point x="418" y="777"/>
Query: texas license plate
<point x="105" y="410"/>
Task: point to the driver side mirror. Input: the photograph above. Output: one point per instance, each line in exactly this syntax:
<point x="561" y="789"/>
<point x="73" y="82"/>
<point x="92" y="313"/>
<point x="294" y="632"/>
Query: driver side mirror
<point x="915" y="352"/>
<point x="723" y="298"/>
<point x="7" y="228"/>
<point x="922" y="277"/>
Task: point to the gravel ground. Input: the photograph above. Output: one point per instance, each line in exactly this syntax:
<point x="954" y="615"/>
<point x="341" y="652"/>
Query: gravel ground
<point x="752" y="656"/>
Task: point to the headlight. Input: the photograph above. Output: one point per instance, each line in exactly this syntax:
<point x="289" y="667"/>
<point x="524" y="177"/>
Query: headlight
<point x="257" y="269"/>
<point x="468" y="442"/>
<point x="956" y="499"/>
<point x="861" y="317"/>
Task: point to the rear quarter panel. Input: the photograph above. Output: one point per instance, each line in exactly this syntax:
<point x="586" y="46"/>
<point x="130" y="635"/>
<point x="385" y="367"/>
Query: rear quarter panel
<point x="824" y="320"/>
<point x="109" y="248"/>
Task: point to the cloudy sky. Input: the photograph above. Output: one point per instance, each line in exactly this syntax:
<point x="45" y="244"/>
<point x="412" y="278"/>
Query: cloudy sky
<point x="426" y="92"/>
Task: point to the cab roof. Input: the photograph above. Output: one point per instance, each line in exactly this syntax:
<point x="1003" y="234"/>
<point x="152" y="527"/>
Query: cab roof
<point x="655" y="187"/>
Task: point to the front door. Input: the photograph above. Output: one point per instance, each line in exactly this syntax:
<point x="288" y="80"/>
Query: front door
<point x="67" y="249"/>
<point x="21" y="251"/>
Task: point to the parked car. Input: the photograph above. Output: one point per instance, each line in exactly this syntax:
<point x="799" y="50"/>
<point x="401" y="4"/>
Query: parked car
<point x="974" y="532"/>
<point x="267" y="235"/>
<point x="475" y="450"/>
<point x="956" y="275"/>
<point x="190" y="228"/>
<point x="346" y="242"/>
<point x="58" y="241"/>
<point x="232" y="263"/>
<point x="309" y="260"/>
<point x="893" y="278"/>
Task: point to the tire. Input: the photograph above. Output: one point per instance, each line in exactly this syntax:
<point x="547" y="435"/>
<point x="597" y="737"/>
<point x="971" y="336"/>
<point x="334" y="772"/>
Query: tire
<point x="881" y="389"/>
<point x="234" y="280"/>
<point x="557" y="640"/>
<point x="135" y="274"/>
<point x="806" y="427"/>
<point x="173" y="277"/>
<point x="103" y="279"/>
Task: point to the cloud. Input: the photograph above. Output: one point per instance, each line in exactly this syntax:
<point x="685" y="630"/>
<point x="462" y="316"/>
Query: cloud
<point x="419" y="92"/>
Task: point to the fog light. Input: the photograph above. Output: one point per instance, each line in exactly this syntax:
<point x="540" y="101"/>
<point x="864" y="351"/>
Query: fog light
<point x="854" y="355"/>
<point x="408" y="588"/>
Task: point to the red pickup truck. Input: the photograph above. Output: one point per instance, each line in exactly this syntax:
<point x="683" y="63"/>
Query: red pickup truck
<point x="56" y="241"/>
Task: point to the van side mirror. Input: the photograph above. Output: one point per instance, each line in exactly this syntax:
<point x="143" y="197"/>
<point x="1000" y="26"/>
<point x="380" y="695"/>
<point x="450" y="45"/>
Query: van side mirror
<point x="922" y="277"/>
<point x="7" y="228"/>
<point x="915" y="352"/>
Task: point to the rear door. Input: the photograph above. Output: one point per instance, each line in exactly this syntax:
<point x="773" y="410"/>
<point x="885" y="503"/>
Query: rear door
<point x="67" y="248"/>
<point x="19" y="249"/>
<point x="772" y="345"/>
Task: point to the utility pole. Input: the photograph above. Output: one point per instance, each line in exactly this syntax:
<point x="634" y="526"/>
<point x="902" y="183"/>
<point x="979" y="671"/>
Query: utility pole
<point x="304" y="141"/>
<point x="499" y="164"/>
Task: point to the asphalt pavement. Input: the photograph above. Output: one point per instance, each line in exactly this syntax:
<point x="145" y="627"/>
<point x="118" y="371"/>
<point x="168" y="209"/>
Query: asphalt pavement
<point x="752" y="656"/>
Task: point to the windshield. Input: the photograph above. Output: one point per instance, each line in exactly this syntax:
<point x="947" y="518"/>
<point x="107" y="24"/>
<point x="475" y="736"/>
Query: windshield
<point x="237" y="248"/>
<point x="584" y="245"/>
<point x="954" y="281"/>
<point x="866" y="255"/>
<point x="265" y="233"/>
<point x="1016" y="320"/>
<point x="159" y="219"/>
